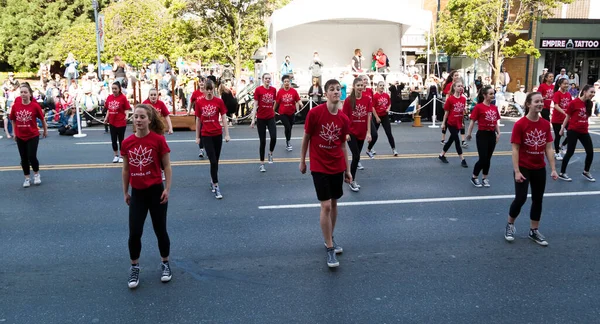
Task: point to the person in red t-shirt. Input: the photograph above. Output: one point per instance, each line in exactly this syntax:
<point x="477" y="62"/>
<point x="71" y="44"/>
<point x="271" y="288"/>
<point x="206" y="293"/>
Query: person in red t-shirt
<point x="325" y="131"/>
<point x="531" y="138"/>
<point x="547" y="91"/>
<point x="453" y="120"/>
<point x="263" y="113"/>
<point x="578" y="112"/>
<point x="359" y="110"/>
<point x="143" y="154"/>
<point x="208" y="110"/>
<point x="488" y="134"/>
<point x="197" y="95"/>
<point x="24" y="115"/>
<point x="561" y="99"/>
<point x="116" y="117"/>
<point x="287" y="103"/>
<point x="447" y="92"/>
<point x="368" y="94"/>
<point x="381" y="109"/>
<point x="160" y="107"/>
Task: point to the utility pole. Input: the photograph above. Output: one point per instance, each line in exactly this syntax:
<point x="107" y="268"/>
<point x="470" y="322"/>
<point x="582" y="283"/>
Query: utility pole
<point x="95" y="5"/>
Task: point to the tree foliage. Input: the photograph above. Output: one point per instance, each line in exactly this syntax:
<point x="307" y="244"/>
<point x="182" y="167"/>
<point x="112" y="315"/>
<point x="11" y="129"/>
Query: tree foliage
<point x="490" y="29"/>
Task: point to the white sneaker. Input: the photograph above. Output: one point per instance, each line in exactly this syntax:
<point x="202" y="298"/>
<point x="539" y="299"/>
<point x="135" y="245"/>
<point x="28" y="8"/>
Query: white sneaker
<point x="26" y="183"/>
<point x="558" y="157"/>
<point x="116" y="159"/>
<point x="120" y="160"/>
<point x="360" y="166"/>
<point x="163" y="175"/>
<point x="37" y="180"/>
<point x="563" y="150"/>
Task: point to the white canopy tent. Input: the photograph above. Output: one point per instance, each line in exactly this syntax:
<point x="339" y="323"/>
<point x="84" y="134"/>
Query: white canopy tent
<point x="334" y="28"/>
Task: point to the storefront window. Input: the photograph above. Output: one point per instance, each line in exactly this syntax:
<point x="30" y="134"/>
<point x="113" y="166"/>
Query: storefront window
<point x="564" y="60"/>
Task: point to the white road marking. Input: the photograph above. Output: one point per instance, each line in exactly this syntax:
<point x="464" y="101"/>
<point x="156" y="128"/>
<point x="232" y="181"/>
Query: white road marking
<point x="193" y="141"/>
<point x="428" y="200"/>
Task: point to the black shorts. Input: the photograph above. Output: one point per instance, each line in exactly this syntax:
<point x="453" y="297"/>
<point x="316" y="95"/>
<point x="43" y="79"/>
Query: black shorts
<point x="328" y="186"/>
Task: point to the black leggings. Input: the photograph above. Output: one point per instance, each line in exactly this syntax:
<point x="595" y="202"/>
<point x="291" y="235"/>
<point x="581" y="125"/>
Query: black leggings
<point x="546" y="114"/>
<point x="355" y="147"/>
<point x="28" y="153"/>
<point x="201" y="144"/>
<point x="142" y="201"/>
<point x="213" y="145"/>
<point x="586" y="141"/>
<point x="462" y="130"/>
<point x="117" y="133"/>
<point x="385" y="122"/>
<point x="556" y="127"/>
<point x="288" y="123"/>
<point x="486" y="144"/>
<point x="453" y="138"/>
<point x="261" y="125"/>
<point x="537" y="180"/>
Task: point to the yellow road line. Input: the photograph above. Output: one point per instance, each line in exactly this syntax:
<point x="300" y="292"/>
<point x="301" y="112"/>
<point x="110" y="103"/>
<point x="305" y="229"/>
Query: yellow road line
<point x="246" y="161"/>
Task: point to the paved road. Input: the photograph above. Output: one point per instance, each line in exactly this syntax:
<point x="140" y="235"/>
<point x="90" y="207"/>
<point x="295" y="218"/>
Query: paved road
<point x="410" y="254"/>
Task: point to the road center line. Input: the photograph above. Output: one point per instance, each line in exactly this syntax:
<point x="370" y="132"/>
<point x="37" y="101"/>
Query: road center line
<point x="428" y="200"/>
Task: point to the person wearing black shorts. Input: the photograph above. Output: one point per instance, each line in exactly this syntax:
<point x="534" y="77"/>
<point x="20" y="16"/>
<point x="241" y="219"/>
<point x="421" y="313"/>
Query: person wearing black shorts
<point x="325" y="131"/>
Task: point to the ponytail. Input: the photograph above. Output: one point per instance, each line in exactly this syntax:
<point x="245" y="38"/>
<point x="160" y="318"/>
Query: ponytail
<point x="589" y="105"/>
<point x="353" y="93"/>
<point x="482" y="92"/>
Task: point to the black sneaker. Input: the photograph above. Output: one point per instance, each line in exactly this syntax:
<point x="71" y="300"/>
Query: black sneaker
<point x="442" y="142"/>
<point x="475" y="182"/>
<point x="464" y="144"/>
<point x="537" y="237"/>
<point x="443" y="159"/>
<point x="354" y="186"/>
<point x="134" y="277"/>
<point x="166" y="272"/>
<point x="217" y="192"/>
<point x="332" y="261"/>
<point x="463" y="163"/>
<point x="509" y="233"/>
<point x="564" y="177"/>
<point x="586" y="175"/>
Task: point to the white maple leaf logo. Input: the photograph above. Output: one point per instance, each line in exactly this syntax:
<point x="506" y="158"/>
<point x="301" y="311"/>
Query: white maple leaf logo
<point x="548" y="94"/>
<point x="459" y="107"/>
<point x="113" y="105"/>
<point x="491" y="116"/>
<point x="564" y="102"/>
<point x="535" y="139"/>
<point x="330" y="132"/>
<point x="359" y="111"/>
<point x="582" y="113"/>
<point x="383" y="102"/>
<point x="267" y="98"/>
<point x="23" y="116"/>
<point x="209" y="111"/>
<point x="140" y="157"/>
<point x="287" y="98"/>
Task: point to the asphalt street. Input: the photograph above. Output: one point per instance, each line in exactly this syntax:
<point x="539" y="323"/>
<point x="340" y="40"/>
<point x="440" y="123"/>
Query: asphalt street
<point x="421" y="244"/>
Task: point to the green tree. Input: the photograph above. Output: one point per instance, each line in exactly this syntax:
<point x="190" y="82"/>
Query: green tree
<point x="490" y="29"/>
<point x="29" y="29"/>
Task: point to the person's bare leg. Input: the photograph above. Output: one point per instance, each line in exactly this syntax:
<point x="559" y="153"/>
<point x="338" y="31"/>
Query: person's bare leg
<point x="326" y="226"/>
<point x="333" y="214"/>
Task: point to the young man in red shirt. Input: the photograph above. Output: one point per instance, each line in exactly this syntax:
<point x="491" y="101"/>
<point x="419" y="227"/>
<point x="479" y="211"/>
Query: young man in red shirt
<point x="326" y="128"/>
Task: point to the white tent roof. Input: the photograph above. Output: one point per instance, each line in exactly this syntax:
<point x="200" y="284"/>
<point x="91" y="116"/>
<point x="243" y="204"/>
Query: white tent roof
<point x="299" y="12"/>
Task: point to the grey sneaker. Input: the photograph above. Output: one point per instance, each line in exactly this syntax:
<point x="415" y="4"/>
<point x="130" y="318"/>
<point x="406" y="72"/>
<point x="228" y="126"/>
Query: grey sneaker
<point x="134" y="277"/>
<point x="475" y="182"/>
<point x="212" y="187"/>
<point x="588" y="176"/>
<point x="353" y="186"/>
<point x="201" y="155"/>
<point x="218" y="194"/>
<point x="537" y="237"/>
<point x="332" y="261"/>
<point x="370" y="154"/>
<point x="262" y="168"/>
<point x="464" y="144"/>
<point x="166" y="272"/>
<point x="338" y="249"/>
<point x="510" y="231"/>
<point x="360" y="166"/>
<point x="564" y="177"/>
<point x="486" y="183"/>
<point x="270" y="158"/>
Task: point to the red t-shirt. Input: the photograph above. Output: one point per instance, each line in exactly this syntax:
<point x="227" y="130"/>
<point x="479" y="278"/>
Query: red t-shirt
<point x="196" y="95"/>
<point x="381" y="103"/>
<point x="447" y="88"/>
<point x="532" y="138"/>
<point x="327" y="137"/>
<point x="562" y="100"/>
<point x="159" y="106"/>
<point x="368" y="93"/>
<point x="144" y="156"/>
<point x="116" y="110"/>
<point x="286" y="99"/>
<point x="359" y="116"/>
<point x="209" y="111"/>
<point x="25" y="117"/>
<point x="456" y="110"/>
<point x="486" y="116"/>
<point x="547" y="91"/>
<point x="578" y="118"/>
<point x="266" y="99"/>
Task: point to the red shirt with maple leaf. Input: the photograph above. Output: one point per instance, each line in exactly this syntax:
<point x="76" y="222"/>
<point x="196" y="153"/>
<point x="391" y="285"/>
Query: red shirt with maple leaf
<point x="358" y="116"/>
<point x="25" y="117"/>
<point x="561" y="100"/>
<point x="532" y="138"/>
<point x="209" y="111"/>
<point x="456" y="111"/>
<point x="196" y="95"/>
<point x="159" y="106"/>
<point x="578" y="121"/>
<point x="116" y="107"/>
<point x="286" y="99"/>
<point x="547" y="91"/>
<point x="266" y="100"/>
<point x="144" y="155"/>
<point x="368" y="93"/>
<point x="327" y="138"/>
<point x="381" y="102"/>
<point x="486" y="116"/>
<point x="447" y="89"/>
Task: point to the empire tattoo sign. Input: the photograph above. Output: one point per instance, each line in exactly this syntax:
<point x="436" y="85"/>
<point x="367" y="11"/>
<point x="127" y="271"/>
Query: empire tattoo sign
<point x="561" y="44"/>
